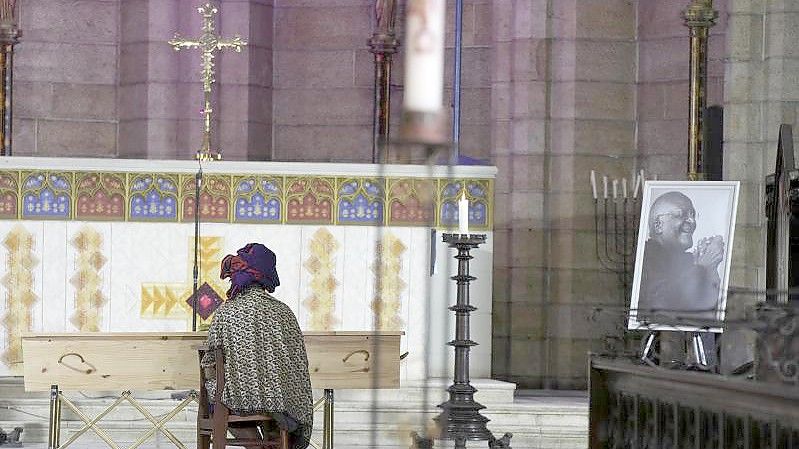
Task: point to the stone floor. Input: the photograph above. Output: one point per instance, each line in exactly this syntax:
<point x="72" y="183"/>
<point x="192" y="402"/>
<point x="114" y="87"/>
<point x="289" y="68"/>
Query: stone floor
<point x="537" y="419"/>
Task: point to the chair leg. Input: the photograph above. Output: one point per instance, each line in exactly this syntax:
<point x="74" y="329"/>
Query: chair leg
<point x="203" y="441"/>
<point x="284" y="439"/>
<point x="220" y="427"/>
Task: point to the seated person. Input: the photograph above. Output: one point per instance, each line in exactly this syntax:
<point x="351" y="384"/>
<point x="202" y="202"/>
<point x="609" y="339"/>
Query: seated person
<point x="266" y="367"/>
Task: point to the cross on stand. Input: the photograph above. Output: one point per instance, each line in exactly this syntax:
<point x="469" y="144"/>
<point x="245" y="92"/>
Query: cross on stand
<point x="208" y="43"/>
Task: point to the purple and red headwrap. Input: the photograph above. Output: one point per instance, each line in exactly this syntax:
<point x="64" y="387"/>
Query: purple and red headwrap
<point x="254" y="264"/>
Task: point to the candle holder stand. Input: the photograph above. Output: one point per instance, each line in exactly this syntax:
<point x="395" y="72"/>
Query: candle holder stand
<point x="615" y="236"/>
<point x="460" y="419"/>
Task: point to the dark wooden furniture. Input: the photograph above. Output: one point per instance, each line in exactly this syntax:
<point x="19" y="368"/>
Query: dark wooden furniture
<point x="211" y="424"/>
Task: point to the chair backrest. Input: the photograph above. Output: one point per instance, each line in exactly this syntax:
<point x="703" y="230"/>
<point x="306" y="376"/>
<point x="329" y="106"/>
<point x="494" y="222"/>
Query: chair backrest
<point x="219" y="375"/>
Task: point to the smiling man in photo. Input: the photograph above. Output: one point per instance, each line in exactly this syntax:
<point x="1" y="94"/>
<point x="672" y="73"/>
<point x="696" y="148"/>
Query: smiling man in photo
<point x="674" y="281"/>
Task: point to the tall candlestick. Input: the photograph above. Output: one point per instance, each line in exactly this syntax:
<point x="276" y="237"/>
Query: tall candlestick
<point x="424" y="63"/>
<point x="624" y="187"/>
<point x="463" y="215"/>
<point x="615" y="188"/>
<point x="605" y="186"/>
<point x="593" y="184"/>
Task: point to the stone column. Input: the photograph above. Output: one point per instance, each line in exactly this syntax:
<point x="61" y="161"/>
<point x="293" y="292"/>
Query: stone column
<point x="762" y="86"/>
<point x="160" y="90"/>
<point x="65" y="79"/>
<point x="593" y="73"/>
<point x="519" y="111"/>
<point x="148" y="80"/>
<point x="563" y="93"/>
<point x="245" y="81"/>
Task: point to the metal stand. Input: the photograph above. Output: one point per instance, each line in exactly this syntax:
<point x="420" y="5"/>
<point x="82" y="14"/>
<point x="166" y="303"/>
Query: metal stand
<point x="460" y="420"/>
<point x="647" y="348"/>
<point x="615" y="236"/>
<point x="698" y="346"/>
<point x="54" y="428"/>
<point x="327" y="441"/>
<point x="198" y="180"/>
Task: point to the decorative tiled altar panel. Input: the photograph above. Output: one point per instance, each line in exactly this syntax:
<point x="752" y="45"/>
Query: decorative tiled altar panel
<point x="258" y="199"/>
<point x="100" y="196"/>
<point x="46" y="195"/>
<point x="243" y="198"/>
<point x="108" y="246"/>
<point x="9" y="194"/>
<point x="153" y="197"/>
<point x="215" y="197"/>
<point x="310" y="199"/>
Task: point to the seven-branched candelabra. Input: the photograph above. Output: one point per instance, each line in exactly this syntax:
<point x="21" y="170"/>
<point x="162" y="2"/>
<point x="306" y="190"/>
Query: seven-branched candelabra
<point x="617" y="212"/>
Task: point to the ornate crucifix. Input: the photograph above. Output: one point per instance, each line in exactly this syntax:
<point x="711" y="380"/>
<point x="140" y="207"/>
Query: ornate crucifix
<point x="208" y="43"/>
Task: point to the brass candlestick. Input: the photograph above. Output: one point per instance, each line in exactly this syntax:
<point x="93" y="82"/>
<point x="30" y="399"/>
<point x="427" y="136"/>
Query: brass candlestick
<point x="699" y="17"/>
<point x="9" y="36"/>
<point x="383" y="45"/>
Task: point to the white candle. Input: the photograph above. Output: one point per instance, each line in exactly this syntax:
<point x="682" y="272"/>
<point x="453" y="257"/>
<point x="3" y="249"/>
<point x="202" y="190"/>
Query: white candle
<point x="624" y="187"/>
<point x="424" y="61"/>
<point x="615" y="188"/>
<point x="639" y="178"/>
<point x="463" y="215"/>
<point x="593" y="184"/>
<point x="605" y="186"/>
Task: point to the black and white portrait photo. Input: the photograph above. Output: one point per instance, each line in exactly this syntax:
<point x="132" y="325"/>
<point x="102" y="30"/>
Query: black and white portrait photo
<point x="682" y="259"/>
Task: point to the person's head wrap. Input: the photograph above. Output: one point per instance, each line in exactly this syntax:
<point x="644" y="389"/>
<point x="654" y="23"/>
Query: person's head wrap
<point x="253" y="265"/>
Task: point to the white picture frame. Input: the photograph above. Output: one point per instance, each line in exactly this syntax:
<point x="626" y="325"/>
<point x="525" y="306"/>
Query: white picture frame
<point x="673" y="283"/>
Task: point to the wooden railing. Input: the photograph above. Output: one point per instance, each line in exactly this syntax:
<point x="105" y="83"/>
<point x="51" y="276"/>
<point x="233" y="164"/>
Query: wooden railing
<point x="635" y="406"/>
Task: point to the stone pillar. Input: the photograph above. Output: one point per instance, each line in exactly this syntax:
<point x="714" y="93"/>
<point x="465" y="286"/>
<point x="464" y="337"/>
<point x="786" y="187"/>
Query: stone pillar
<point x="323" y="82"/>
<point x="65" y="79"/>
<point x="762" y="92"/>
<point x="560" y="107"/>
<point x="245" y="80"/>
<point x="161" y="95"/>
<point x="593" y="73"/>
<point x="519" y="111"/>
<point x="148" y="80"/>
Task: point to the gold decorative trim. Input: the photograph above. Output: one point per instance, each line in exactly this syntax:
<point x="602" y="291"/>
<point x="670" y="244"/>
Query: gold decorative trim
<point x="321" y="264"/>
<point x="20" y="296"/>
<point x="89" y="297"/>
<point x="389" y="284"/>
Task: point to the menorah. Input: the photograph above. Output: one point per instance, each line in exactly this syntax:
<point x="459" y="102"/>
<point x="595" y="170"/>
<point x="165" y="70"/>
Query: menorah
<point x="616" y="216"/>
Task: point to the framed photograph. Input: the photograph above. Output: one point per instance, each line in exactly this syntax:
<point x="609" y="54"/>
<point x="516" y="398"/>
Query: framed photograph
<point x="682" y="261"/>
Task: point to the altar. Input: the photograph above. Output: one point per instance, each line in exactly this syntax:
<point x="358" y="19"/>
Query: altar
<point x="94" y="245"/>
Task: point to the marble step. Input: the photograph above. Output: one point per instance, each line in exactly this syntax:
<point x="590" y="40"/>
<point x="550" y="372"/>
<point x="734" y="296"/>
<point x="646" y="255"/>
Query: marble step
<point x="489" y="391"/>
<point x="536" y="423"/>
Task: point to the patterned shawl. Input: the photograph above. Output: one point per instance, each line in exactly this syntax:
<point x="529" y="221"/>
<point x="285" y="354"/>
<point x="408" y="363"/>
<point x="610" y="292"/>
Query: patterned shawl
<point x="266" y="367"/>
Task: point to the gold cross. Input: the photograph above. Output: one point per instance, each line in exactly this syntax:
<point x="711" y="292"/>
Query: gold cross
<point x="208" y="43"/>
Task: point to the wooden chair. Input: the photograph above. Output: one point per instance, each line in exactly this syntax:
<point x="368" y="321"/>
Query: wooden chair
<point x="210" y="425"/>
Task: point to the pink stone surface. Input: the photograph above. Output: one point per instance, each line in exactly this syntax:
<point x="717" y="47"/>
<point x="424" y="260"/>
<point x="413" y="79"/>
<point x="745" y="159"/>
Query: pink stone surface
<point x="78" y="21"/>
<point x="551" y="90"/>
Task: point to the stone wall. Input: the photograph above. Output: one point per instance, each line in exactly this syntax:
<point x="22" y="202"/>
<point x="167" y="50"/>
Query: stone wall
<point x="65" y="78"/>
<point x="762" y="92"/>
<point x="564" y="105"/>
<point x="662" y="101"/>
<point x="551" y="90"/>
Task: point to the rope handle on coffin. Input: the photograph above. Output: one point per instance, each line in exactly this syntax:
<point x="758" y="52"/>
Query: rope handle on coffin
<point x="89" y="370"/>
